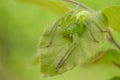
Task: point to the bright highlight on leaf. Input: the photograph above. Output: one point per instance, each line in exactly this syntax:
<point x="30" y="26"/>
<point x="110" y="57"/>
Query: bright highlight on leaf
<point x="73" y="40"/>
<point x="55" y="6"/>
<point x="113" y="14"/>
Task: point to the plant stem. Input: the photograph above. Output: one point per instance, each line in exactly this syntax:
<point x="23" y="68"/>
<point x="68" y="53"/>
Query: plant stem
<point x="80" y="4"/>
<point x="116" y="64"/>
<point x="111" y="39"/>
<point x="100" y="57"/>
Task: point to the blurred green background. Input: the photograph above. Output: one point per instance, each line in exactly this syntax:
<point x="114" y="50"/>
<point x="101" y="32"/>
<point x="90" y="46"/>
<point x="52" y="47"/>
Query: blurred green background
<point x="21" y="25"/>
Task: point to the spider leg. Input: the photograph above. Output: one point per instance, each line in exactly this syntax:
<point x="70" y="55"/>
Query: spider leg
<point x="57" y="24"/>
<point x="52" y="31"/>
<point x="93" y="37"/>
<point x="89" y="29"/>
<point x="97" y="25"/>
<point x="65" y="57"/>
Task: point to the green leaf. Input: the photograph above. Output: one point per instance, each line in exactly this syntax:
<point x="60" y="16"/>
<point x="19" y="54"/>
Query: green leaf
<point x="55" y="6"/>
<point x="113" y="15"/>
<point x="85" y="51"/>
<point x="110" y="57"/>
<point x="110" y="53"/>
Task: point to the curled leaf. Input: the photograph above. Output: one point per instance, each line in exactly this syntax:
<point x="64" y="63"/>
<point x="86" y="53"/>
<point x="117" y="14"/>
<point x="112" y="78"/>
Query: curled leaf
<point x="64" y="46"/>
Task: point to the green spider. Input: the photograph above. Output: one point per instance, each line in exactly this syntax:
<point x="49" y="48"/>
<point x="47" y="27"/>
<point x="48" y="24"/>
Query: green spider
<point x="74" y="24"/>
